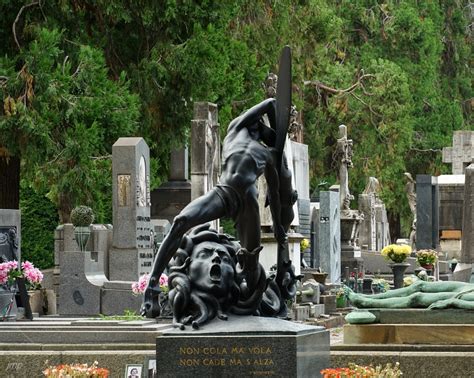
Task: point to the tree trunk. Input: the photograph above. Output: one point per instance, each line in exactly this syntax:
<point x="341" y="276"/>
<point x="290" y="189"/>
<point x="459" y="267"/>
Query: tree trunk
<point x="9" y="182"/>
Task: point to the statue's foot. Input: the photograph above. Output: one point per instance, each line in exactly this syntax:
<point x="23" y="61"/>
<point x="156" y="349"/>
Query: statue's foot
<point x="151" y="303"/>
<point x="445" y="303"/>
<point x="286" y="280"/>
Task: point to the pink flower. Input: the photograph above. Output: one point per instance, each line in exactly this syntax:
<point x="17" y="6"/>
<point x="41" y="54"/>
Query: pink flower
<point x="163" y="280"/>
<point x="26" y="265"/>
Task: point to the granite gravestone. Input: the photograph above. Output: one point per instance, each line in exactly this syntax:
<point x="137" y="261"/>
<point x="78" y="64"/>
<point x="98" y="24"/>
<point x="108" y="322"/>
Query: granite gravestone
<point x="427" y="212"/>
<point x="169" y="199"/>
<point x="10" y="249"/>
<point x="81" y="273"/>
<point x="10" y="235"/>
<point x="132" y="253"/>
<point x="301" y="171"/>
<point x="462" y="152"/>
<point x="368" y="238"/>
<point x="205" y="149"/>
<point x="328" y="256"/>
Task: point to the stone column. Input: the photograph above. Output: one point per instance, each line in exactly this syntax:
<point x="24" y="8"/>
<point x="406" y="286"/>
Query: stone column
<point x="467" y="252"/>
<point x="427" y="212"/>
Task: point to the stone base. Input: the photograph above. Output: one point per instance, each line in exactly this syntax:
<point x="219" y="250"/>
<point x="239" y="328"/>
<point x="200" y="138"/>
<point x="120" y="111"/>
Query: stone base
<point x="268" y="255"/>
<point x="421" y="316"/>
<point x="351" y="257"/>
<point x="244" y="347"/>
<point x="436" y="334"/>
<point x="117" y="297"/>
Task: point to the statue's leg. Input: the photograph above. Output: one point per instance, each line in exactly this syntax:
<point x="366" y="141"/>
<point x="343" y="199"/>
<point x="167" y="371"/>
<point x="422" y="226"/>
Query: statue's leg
<point x="402" y="292"/>
<point x="201" y="210"/>
<point x="413" y="300"/>
<point x="248" y="228"/>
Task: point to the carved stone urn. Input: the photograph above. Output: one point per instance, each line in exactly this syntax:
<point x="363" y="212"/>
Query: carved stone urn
<point x="82" y="217"/>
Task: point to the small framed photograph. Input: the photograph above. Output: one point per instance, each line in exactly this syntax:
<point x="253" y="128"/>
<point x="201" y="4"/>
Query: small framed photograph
<point x="150" y="367"/>
<point x="134" y="371"/>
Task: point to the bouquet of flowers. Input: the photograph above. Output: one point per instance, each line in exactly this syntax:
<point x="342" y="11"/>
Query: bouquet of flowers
<point x="140" y="286"/>
<point x="76" y="370"/>
<point x="304" y="244"/>
<point x="396" y="253"/>
<point x="357" y="371"/>
<point x="9" y="272"/>
<point x="426" y="257"/>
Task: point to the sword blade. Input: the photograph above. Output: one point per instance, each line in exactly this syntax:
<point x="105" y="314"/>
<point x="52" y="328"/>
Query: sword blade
<point x="283" y="99"/>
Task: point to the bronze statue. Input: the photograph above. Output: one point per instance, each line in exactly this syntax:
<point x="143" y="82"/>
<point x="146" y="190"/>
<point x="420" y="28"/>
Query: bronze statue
<point x="205" y="283"/>
<point x="433" y="295"/>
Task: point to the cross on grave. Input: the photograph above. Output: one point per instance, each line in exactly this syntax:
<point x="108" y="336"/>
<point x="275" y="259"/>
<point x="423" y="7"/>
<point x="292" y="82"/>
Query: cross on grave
<point x="461" y="153"/>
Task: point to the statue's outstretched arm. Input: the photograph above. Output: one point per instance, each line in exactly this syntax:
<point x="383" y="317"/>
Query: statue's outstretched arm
<point x="254" y="114"/>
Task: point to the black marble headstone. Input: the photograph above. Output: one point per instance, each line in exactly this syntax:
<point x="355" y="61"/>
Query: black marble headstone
<point x="244" y="347"/>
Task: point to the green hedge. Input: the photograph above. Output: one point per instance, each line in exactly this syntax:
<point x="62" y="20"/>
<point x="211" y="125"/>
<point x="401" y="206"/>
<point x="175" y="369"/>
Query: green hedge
<point x="39" y="218"/>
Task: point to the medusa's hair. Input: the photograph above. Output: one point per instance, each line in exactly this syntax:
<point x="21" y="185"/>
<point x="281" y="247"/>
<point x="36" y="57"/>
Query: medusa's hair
<point x="190" y="304"/>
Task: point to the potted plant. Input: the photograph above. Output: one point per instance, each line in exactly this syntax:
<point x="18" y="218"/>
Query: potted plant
<point x="81" y="218"/>
<point x="426" y="258"/>
<point x="9" y="272"/>
<point x="140" y="286"/>
<point x="341" y="301"/>
<point x="397" y="254"/>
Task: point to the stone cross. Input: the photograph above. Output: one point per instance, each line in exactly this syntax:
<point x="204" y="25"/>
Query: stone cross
<point x="343" y="156"/>
<point x="131" y="254"/>
<point x="467" y="253"/>
<point x="462" y="152"/>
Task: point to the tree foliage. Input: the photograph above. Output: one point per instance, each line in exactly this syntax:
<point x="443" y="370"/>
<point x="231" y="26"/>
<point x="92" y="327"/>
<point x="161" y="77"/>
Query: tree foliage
<point x="397" y="73"/>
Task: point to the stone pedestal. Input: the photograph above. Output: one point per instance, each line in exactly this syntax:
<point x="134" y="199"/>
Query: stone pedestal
<point x="350" y="248"/>
<point x="269" y="253"/>
<point x="244" y="347"/>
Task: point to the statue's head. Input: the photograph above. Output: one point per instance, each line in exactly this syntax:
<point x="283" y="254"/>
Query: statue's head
<point x="211" y="268"/>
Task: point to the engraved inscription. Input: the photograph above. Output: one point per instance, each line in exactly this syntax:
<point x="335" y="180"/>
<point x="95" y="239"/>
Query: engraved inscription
<point x="259" y="357"/>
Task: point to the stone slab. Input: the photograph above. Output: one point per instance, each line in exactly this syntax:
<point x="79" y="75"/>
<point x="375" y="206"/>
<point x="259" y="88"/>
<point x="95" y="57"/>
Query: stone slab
<point x="244" y="346"/>
<point x="422" y="316"/>
<point x="439" y="334"/>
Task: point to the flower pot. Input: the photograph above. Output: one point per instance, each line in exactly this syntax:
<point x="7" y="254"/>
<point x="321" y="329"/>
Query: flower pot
<point x="398" y="270"/>
<point x="36" y="301"/>
<point x="8" y="309"/>
<point x="81" y="233"/>
<point x="341" y="302"/>
<point x="428" y="268"/>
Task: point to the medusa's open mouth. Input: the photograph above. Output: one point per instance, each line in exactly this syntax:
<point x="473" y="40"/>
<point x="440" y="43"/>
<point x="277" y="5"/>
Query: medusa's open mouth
<point x="215" y="273"/>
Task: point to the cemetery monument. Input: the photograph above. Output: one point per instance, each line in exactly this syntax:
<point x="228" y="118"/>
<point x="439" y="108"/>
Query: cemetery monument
<point x="213" y="276"/>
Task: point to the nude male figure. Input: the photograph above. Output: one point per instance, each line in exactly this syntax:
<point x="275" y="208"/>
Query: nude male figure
<point x="247" y="153"/>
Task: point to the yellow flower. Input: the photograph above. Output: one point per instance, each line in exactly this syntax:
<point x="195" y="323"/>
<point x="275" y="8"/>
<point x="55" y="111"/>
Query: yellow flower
<point x="304" y="244"/>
